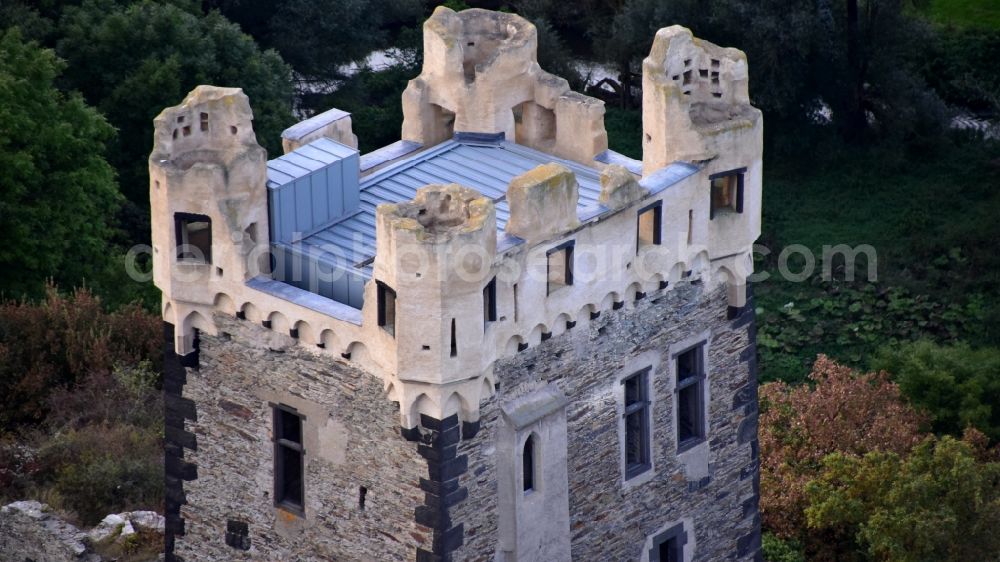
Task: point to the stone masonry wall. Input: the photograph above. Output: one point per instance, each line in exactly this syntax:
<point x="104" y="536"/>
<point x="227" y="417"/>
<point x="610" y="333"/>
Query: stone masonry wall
<point x="607" y="520"/>
<point x="352" y="440"/>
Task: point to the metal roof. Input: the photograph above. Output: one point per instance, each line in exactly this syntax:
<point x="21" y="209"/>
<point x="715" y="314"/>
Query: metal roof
<point x="487" y="166"/>
<point x="305" y="160"/>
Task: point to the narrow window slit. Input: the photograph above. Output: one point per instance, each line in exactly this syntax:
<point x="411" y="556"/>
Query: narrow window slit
<point x="454" y="342"/>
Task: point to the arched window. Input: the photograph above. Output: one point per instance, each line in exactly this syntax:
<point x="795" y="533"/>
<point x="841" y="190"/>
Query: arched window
<point x="528" y="463"/>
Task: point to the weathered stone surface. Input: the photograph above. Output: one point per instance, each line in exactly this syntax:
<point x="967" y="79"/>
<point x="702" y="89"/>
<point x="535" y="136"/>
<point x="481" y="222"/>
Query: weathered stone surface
<point x="108" y="529"/>
<point x="542" y="203"/>
<point x="28" y="531"/>
<point x="619" y="187"/>
<point x="351" y="439"/>
<point x="608" y="521"/>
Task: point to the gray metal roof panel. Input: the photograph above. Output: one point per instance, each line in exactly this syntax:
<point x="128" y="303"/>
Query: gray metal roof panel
<point x="487" y="165"/>
<point x="305" y="160"/>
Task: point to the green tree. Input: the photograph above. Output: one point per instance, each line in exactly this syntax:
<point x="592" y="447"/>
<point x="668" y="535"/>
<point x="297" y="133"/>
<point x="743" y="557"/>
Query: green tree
<point x="58" y="194"/>
<point x="318" y="37"/>
<point x="133" y="61"/>
<point x="958" y="386"/>
<point x="940" y="503"/>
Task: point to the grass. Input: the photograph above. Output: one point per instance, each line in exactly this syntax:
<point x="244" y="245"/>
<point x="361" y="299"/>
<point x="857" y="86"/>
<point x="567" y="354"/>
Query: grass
<point x="964" y="13"/>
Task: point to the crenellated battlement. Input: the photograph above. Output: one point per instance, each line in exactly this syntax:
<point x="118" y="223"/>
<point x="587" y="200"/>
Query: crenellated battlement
<point x="492" y="229"/>
<point x="696" y="103"/>
<point x="481" y="74"/>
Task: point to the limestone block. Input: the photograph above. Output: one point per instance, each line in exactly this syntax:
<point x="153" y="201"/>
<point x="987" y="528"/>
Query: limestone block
<point x="480" y="69"/>
<point x="542" y="203"/>
<point x="332" y="124"/>
<point x="149" y="521"/>
<point x="619" y="187"/>
<point x="108" y="529"/>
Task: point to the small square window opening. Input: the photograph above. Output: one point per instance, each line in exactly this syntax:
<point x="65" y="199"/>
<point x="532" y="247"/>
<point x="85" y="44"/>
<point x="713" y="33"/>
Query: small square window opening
<point x="560" y="266"/>
<point x="386" y="308"/>
<point x="649" y="226"/>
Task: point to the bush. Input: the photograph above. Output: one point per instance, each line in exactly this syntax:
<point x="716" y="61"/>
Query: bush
<point x="957" y="385"/>
<point x="777" y="550"/>
<point x="941" y="503"/>
<point x="104" y="468"/>
<point x="60" y="341"/>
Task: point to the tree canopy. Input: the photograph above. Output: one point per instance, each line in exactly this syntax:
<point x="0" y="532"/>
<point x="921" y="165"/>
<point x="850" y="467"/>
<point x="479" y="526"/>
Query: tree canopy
<point x="957" y="385"/>
<point x="939" y="503"/>
<point x="132" y="61"/>
<point x="58" y="196"/>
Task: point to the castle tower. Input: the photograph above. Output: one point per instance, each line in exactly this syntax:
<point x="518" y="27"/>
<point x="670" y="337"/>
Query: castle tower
<point x="209" y="207"/>
<point x="432" y="272"/>
<point x="696" y="108"/>
<point x="493" y="340"/>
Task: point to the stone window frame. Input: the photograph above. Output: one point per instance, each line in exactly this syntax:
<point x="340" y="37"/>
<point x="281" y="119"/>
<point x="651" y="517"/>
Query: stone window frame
<point x="279" y="468"/>
<point x="536" y="463"/>
<point x="567" y="248"/>
<point x="644" y="407"/>
<point x="680" y="531"/>
<point x="657" y="209"/>
<point x="383" y="291"/>
<point x="737" y="207"/>
<point x="700" y="381"/>
<point x="181" y="238"/>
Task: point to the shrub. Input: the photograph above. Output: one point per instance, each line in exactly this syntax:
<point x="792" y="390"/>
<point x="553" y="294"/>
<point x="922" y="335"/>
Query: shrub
<point x="957" y="385"/>
<point x="940" y="503"/>
<point x="60" y="341"/>
<point x="104" y="468"/>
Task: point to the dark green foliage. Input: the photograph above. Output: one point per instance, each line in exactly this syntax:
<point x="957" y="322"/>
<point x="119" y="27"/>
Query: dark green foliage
<point x="55" y="344"/>
<point x="320" y="37"/>
<point x="852" y="319"/>
<point x="132" y="62"/>
<point x="930" y="220"/>
<point x="777" y="550"/>
<point x="373" y="97"/>
<point x="624" y="131"/>
<point x="958" y="386"/>
<point x="961" y="65"/>
<point x="58" y="194"/>
<point x="302" y="30"/>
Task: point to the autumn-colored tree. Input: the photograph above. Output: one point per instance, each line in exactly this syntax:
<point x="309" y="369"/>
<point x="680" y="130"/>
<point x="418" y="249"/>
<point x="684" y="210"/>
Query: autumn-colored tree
<point x="939" y="503"/>
<point x="840" y="411"/>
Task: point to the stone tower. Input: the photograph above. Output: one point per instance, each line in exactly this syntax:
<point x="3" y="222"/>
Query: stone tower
<point x="495" y="339"/>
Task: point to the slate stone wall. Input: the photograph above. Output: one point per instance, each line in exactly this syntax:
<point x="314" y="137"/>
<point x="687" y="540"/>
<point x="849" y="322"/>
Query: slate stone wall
<point x="352" y="440"/>
<point x="607" y="520"/>
<point x="430" y="494"/>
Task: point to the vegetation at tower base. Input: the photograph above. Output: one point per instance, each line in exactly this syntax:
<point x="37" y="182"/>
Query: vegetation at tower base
<point x="81" y="426"/>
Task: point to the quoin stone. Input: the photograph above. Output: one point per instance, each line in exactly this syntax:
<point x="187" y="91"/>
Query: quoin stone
<point x="495" y="339"/>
